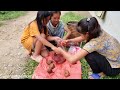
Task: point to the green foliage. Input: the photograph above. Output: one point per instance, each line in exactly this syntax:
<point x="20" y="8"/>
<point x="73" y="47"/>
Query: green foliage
<point x="70" y="16"/>
<point x="111" y="77"/>
<point x="30" y="67"/>
<point x="4" y="12"/>
<point x="85" y="68"/>
<point x="6" y="15"/>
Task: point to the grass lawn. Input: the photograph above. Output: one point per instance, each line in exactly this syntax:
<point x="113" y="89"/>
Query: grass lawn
<point x="10" y="15"/>
<point x="70" y="16"/>
<point x="30" y="66"/>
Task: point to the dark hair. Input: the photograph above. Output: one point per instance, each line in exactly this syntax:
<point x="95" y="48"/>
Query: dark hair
<point x="52" y="12"/>
<point x="40" y="16"/>
<point x="89" y="25"/>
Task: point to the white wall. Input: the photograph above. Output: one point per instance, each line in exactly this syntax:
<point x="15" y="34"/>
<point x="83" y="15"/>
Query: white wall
<point x="111" y="23"/>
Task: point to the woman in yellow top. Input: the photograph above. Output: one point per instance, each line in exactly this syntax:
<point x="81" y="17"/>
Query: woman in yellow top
<point x="35" y="35"/>
<point x="101" y="51"/>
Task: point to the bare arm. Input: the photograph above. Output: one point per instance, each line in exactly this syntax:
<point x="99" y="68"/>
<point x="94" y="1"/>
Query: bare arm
<point x="79" y="55"/>
<point x="55" y="38"/>
<point x="77" y="39"/>
<point x="50" y="38"/>
<point x="68" y="33"/>
<point x="44" y="41"/>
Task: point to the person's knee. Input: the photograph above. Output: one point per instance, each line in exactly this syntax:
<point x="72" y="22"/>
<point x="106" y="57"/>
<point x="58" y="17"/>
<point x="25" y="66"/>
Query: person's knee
<point x="42" y="35"/>
<point x="38" y="43"/>
<point x="89" y="56"/>
<point x="92" y="56"/>
<point x="109" y="73"/>
<point x="44" y="53"/>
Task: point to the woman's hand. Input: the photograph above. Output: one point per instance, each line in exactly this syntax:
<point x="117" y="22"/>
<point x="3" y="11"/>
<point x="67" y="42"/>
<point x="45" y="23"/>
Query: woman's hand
<point x="65" y="42"/>
<point x="57" y="39"/>
<point x="56" y="50"/>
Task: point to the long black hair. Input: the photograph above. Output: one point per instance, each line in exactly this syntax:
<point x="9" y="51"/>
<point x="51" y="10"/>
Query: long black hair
<point x="89" y="25"/>
<point x="40" y="16"/>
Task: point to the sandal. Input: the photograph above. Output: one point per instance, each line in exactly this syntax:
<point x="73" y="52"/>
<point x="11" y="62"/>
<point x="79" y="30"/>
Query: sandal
<point x="38" y="59"/>
<point x="94" y="76"/>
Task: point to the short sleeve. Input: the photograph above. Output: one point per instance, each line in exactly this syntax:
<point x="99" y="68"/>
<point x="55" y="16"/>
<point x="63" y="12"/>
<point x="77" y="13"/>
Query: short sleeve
<point x="91" y="46"/>
<point x="34" y="29"/>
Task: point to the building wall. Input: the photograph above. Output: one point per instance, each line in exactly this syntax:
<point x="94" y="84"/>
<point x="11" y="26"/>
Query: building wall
<point x="111" y="23"/>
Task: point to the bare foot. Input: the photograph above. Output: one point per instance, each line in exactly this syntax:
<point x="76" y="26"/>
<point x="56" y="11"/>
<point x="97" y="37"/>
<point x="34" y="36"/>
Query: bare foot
<point x="28" y="53"/>
<point x="44" y="53"/>
<point x="37" y="58"/>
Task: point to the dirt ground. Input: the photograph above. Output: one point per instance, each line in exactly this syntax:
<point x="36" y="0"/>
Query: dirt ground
<point x="12" y="54"/>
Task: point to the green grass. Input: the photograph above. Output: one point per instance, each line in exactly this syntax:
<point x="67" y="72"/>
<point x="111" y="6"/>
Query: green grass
<point x="29" y="68"/>
<point x="6" y="15"/>
<point x="85" y="68"/>
<point x="70" y="16"/>
<point x="112" y="77"/>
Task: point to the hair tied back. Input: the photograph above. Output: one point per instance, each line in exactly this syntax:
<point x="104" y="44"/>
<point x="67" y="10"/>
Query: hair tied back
<point x="88" y="19"/>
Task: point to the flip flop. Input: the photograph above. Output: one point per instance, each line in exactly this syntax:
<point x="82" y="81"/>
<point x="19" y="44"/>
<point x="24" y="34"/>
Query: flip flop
<point x="95" y="76"/>
<point x="38" y="59"/>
